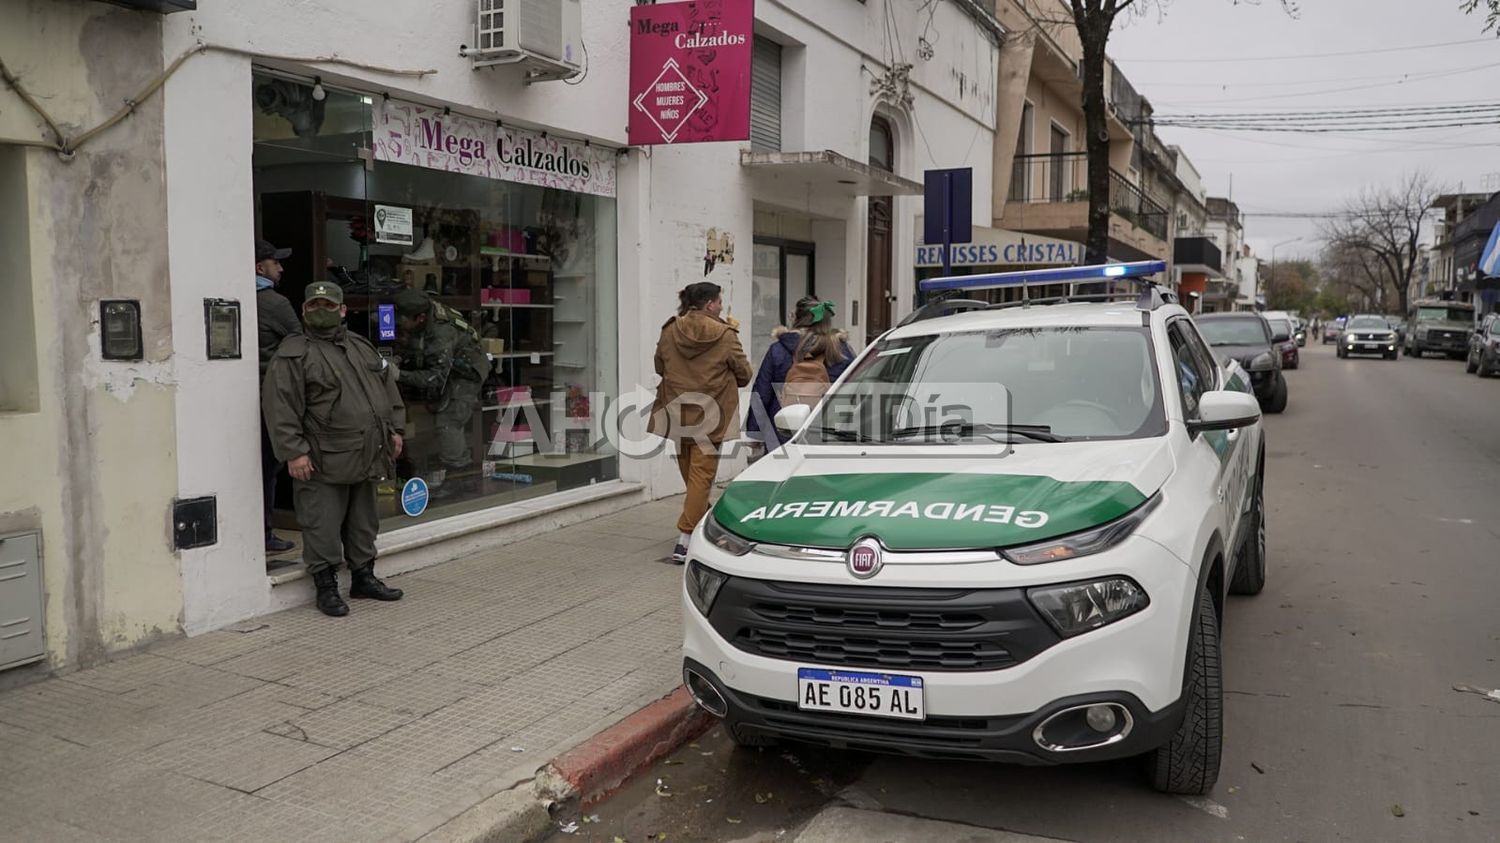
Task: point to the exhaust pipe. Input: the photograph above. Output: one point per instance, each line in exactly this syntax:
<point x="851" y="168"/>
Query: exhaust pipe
<point x="704" y="693"/>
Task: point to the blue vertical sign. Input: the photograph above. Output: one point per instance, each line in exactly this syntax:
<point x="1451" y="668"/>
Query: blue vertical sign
<point x="387" y="322"/>
<point x="948" y="210"/>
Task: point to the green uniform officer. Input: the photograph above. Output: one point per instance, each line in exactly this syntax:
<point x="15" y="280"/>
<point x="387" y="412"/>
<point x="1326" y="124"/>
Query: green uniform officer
<point x="442" y="363"/>
<point x="335" y="417"/>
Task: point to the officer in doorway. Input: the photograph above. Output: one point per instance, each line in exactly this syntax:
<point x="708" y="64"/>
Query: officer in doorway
<point x="336" y="419"/>
<point x="442" y="363"/>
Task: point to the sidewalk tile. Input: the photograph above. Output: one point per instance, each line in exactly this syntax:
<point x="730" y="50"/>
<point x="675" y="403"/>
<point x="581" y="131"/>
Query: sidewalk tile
<point x="372" y="797"/>
<point x="341" y="726"/>
<point x="220" y="645"/>
<point x="418" y="694"/>
<point x="248" y="763"/>
<point x="343" y="678"/>
<point x="427" y="744"/>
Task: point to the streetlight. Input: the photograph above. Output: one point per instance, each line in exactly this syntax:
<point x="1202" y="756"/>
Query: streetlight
<point x="1273" y="255"/>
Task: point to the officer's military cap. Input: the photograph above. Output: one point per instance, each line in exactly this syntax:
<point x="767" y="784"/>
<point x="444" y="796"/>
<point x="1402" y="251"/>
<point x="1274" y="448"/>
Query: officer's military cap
<point x="411" y="302"/>
<point x="326" y="290"/>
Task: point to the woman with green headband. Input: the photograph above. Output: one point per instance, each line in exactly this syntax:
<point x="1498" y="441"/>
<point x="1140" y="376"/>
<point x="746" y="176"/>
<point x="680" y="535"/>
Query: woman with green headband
<point x="812" y="336"/>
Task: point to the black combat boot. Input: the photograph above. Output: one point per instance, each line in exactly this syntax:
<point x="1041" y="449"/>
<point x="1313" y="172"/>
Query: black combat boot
<point x="364" y="583"/>
<point x="329" y="601"/>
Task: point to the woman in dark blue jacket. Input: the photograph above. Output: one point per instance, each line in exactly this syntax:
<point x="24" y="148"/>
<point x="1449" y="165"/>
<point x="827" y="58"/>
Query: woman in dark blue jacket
<point x="813" y="317"/>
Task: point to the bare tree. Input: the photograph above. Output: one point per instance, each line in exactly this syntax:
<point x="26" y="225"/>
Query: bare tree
<point x="1094" y="20"/>
<point x="1491" y="13"/>
<point x="1375" y="239"/>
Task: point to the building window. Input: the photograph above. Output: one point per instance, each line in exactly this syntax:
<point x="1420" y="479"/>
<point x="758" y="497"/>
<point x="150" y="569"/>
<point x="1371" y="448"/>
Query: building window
<point x="1059" y="182"/>
<point x="765" y="96"/>
<point x="526" y="273"/>
<point x="19" y="391"/>
<point x="1020" y="176"/>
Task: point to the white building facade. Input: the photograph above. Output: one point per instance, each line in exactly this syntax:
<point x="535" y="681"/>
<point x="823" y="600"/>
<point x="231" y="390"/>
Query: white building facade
<point x="296" y="122"/>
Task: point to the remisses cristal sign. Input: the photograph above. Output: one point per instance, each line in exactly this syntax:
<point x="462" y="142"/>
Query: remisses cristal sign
<point x="690" y="71"/>
<point x="406" y="133"/>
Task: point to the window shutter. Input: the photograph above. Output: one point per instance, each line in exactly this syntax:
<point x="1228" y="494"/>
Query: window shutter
<point x="765" y="96"/>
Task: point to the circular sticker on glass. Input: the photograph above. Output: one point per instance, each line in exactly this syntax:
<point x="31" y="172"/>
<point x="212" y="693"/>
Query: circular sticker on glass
<point x="414" y="497"/>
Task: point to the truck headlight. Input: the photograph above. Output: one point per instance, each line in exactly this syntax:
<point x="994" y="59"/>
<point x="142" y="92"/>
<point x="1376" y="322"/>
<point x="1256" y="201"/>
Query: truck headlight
<point x="1262" y="361"/>
<point x="1085" y="543"/>
<point x="724" y="540"/>
<point x="1080" y="607"/>
<point x="703" y="584"/>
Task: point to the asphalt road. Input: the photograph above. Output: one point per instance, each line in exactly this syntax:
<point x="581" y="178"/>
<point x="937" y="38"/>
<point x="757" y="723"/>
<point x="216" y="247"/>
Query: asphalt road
<point x="1342" y="719"/>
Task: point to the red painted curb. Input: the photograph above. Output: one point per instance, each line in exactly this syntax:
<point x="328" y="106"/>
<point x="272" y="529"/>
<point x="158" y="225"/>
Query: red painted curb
<point x="601" y="764"/>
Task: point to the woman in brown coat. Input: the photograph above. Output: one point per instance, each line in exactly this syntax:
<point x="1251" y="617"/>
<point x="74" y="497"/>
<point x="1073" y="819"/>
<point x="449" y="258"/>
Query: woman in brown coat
<point x="702" y="367"/>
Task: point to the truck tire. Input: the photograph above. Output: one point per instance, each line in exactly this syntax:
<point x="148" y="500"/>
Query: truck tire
<point x="1250" y="573"/>
<point x="1189" y="763"/>
<point x="1277" y="403"/>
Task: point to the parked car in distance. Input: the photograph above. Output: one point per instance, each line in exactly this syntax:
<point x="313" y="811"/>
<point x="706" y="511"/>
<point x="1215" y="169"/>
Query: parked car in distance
<point x="1437" y="325"/>
<point x="1281" y="338"/>
<point x="1331" y="330"/>
<point x="1367" y="333"/>
<point x="1484" y="348"/>
<point x="1246" y="338"/>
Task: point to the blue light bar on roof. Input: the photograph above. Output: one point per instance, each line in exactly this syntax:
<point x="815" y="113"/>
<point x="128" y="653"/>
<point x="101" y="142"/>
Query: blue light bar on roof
<point x="1055" y="275"/>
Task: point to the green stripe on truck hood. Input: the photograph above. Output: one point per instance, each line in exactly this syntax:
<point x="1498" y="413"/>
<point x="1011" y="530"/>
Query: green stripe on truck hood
<point x="920" y="511"/>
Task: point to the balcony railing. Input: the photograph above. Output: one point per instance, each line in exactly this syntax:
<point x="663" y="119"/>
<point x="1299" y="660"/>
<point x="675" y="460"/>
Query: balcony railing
<point x="1063" y="177"/>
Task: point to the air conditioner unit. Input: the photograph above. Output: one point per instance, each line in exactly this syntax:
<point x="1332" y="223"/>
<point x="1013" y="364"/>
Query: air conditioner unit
<point x="543" y="37"/>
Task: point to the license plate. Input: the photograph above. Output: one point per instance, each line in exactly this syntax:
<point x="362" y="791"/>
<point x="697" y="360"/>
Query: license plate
<point x="854" y="692"/>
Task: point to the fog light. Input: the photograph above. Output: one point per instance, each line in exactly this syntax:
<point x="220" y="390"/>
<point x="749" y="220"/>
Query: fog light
<point x="1101" y="718"/>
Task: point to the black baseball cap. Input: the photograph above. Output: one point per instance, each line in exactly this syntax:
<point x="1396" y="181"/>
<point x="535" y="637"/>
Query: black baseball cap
<point x="265" y="251"/>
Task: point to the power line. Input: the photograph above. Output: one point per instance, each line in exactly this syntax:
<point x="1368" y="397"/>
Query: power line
<point x="1411" y="80"/>
<point x="1320" y="130"/>
<point x="1299" y="57"/>
<point x="1337" y="112"/>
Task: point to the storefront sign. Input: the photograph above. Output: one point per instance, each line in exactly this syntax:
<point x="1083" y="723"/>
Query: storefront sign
<point x="999" y="247"/>
<point x="414" y="497"/>
<point x="690" y="71"/>
<point x="406" y="133"/>
<point x="393" y="225"/>
<point x="386" y="319"/>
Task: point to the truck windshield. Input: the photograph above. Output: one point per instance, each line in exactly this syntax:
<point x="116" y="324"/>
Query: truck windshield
<point x="1244" y="331"/>
<point x="1024" y="385"/>
<point x="1444" y="314"/>
<point x="1368" y="323"/>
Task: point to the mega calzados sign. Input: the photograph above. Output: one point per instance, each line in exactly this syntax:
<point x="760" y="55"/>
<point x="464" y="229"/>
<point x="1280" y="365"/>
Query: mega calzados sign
<point x="690" y="71"/>
<point x="407" y="133"/>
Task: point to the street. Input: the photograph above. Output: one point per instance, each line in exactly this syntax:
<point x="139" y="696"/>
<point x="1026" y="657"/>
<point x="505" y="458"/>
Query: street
<point x="1342" y="717"/>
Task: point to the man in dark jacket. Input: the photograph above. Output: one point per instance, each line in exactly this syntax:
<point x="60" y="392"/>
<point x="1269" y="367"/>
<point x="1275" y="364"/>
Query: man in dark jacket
<point x="441" y="362"/>
<point x="276" y="321"/>
<point x="336" y="418"/>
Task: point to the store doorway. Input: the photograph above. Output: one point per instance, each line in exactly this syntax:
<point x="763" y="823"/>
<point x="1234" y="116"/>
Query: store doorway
<point x="783" y="274"/>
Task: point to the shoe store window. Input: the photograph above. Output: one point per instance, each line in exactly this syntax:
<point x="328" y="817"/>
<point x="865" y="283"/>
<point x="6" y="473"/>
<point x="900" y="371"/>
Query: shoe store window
<point x="520" y="276"/>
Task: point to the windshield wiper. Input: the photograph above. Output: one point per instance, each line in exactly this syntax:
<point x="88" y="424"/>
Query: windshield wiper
<point x="1038" y="432"/>
<point x="844" y="435"/>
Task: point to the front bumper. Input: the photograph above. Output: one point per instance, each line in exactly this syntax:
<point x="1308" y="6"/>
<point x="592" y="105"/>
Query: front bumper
<point x="1006" y="738"/>
<point x="1443" y="342"/>
<point x="987" y="712"/>
<point x="1370" y="346"/>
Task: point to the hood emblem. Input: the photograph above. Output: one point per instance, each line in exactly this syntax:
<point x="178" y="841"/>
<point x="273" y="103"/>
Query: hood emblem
<point x="865" y="558"/>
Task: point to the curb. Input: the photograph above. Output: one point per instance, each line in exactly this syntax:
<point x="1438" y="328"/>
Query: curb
<point x="585" y="774"/>
<point x="601" y="764"/>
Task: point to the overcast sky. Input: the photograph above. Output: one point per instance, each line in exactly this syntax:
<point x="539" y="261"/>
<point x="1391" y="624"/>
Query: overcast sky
<point x="1196" y="58"/>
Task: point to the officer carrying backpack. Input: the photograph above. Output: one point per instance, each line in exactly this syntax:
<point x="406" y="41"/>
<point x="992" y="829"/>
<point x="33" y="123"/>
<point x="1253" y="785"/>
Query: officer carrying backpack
<point x="468" y="354"/>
